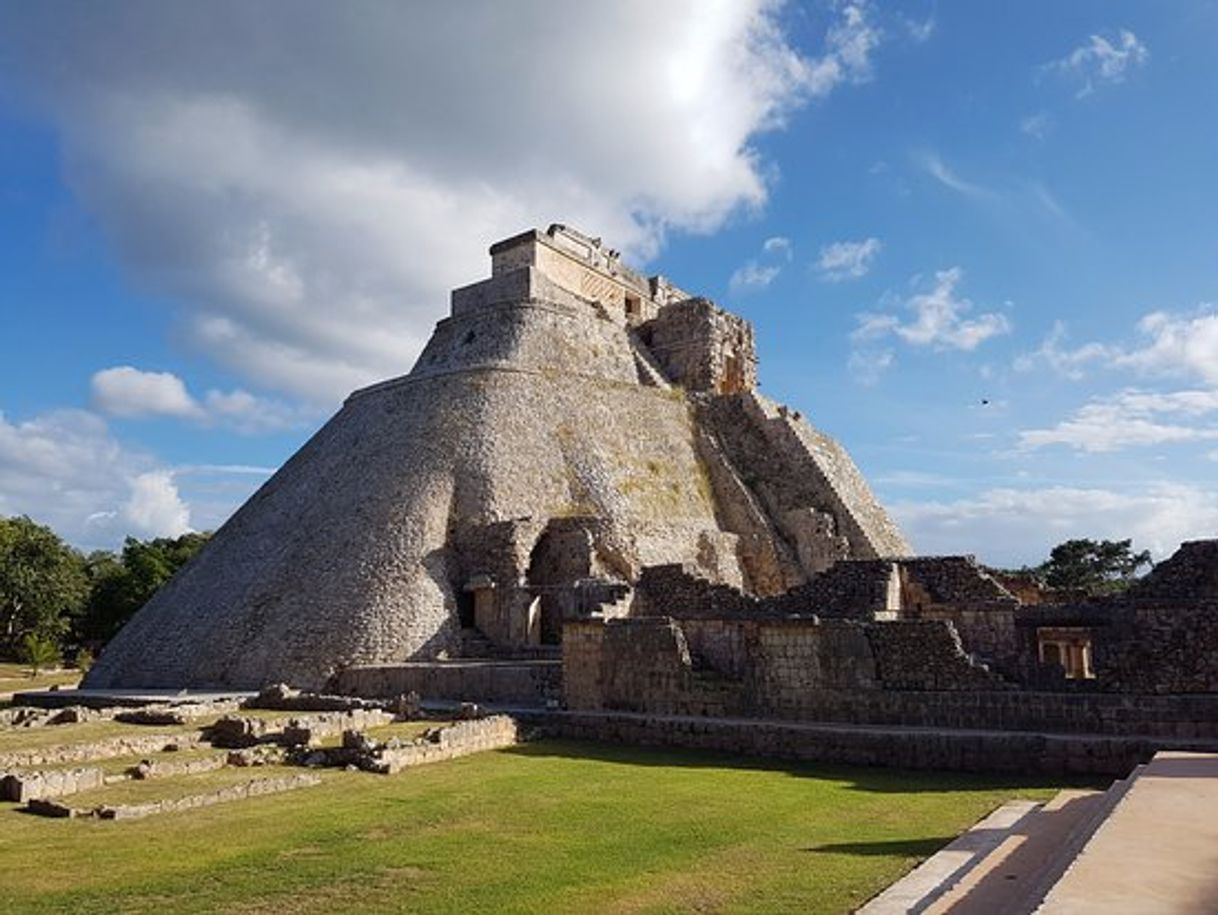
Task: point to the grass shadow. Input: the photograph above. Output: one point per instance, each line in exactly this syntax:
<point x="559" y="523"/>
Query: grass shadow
<point x="861" y="778"/>
<point x="895" y="848"/>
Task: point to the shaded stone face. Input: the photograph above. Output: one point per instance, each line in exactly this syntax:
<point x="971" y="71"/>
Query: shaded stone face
<point x="568" y="424"/>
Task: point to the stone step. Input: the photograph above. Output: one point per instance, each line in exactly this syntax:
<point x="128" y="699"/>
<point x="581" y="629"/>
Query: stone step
<point x="1008" y="861"/>
<point x="1013" y="877"/>
<point x="930" y="880"/>
<point x="1155" y="851"/>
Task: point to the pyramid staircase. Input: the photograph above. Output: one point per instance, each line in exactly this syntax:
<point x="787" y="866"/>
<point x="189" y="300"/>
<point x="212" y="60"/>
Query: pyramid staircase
<point x="1082" y="852"/>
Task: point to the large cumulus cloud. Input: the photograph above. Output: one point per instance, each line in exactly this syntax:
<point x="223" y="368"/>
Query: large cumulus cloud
<point x="306" y="179"/>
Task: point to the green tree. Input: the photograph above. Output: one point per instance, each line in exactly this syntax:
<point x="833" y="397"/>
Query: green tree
<point x="39" y="652"/>
<point x="43" y="584"/>
<point x="121" y="585"/>
<point x="1094" y="566"/>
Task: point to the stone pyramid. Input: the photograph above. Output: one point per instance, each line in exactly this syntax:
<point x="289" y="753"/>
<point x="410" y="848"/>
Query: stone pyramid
<point x="568" y="424"/>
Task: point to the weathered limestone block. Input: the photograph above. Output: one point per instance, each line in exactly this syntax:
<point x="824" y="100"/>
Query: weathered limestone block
<point x="48" y="783"/>
<point x="159" y="768"/>
<point x="101" y="749"/>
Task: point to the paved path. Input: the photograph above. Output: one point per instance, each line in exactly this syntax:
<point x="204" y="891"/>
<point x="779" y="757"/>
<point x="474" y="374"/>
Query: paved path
<point x="1157" y="852"/>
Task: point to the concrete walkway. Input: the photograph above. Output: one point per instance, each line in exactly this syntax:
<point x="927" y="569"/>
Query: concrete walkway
<point x="1157" y="852"/>
<point x="1147" y="844"/>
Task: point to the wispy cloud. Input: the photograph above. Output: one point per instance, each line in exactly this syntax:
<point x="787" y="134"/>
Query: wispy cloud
<point x="130" y="393"/>
<point x="757" y="273"/>
<point x="1171" y="345"/>
<point x="847" y="260"/>
<point x="753" y="276"/>
<point x="1021" y="525"/>
<point x="919" y="30"/>
<point x="1037" y="125"/>
<point x="849" y="42"/>
<point x="778" y="245"/>
<point x="1132" y="418"/>
<point x="868" y="365"/>
<point x="1101" y="60"/>
<point x="931" y="163"/>
<point x="938" y="318"/>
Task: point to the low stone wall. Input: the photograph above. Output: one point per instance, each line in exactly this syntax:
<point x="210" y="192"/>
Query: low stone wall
<point x="255" y="788"/>
<point x="159" y="768"/>
<point x="460" y="739"/>
<point x="510" y="682"/>
<point x="236" y="731"/>
<point x="23" y="787"/>
<point x="970" y="751"/>
<point x="101" y="749"/>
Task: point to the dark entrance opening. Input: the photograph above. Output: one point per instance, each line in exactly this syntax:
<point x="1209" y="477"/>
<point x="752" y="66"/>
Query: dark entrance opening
<point x="465" y="609"/>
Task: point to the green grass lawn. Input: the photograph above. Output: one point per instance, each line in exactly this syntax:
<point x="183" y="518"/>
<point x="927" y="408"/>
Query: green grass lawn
<point x="552" y="827"/>
<point x="15" y="678"/>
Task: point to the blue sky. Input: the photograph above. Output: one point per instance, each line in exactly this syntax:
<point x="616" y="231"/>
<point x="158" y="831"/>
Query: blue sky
<point x="977" y="239"/>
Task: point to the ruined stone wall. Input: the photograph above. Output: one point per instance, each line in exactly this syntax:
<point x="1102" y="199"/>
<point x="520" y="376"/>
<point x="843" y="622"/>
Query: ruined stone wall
<point x="958" y="581"/>
<point x="703" y="348"/>
<point x="851" y="589"/>
<point x="757" y="666"/>
<point x="515" y="682"/>
<point x="1020" y="753"/>
<point x="670" y="590"/>
<point x="926" y="655"/>
<point x="1158" y="650"/>
<point x="810" y="488"/>
<point x="534" y="401"/>
<point x="988" y="634"/>
<point x="1189" y="576"/>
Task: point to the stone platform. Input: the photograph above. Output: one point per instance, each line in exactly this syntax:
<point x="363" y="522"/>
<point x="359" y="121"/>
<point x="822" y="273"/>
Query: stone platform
<point x="1149" y="843"/>
<point x="108" y="698"/>
<point x="528" y="683"/>
<point x="960" y="749"/>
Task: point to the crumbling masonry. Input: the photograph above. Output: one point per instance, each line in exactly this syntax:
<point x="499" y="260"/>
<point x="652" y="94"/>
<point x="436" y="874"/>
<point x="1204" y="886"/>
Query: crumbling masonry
<point x="570" y="424"/>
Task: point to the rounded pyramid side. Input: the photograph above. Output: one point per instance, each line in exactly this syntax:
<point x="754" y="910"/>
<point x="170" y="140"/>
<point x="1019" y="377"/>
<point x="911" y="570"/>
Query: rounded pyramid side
<point x="343" y="557"/>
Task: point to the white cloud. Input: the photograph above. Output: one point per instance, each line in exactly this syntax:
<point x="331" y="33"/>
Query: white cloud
<point x="1129" y="419"/>
<point x="848" y="46"/>
<point x="1037" y="125"/>
<point x="1016" y="526"/>
<point x="933" y="165"/>
<point x="920" y="30"/>
<point x="129" y="392"/>
<point x="155" y="505"/>
<point x="65" y="469"/>
<point x="291" y="177"/>
<point x="844" y="260"/>
<point x="1172" y="345"/>
<point x="939" y="320"/>
<point x="1182" y="345"/>
<point x="778" y="245"/>
<point x="752" y="276"/>
<point x="1070" y="363"/>
<point x="1101" y="60"/>
<point x="755" y="274"/>
<point x="869" y="365"/>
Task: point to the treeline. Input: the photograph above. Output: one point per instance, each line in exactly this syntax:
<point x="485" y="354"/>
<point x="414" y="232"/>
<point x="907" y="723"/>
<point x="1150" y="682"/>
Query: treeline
<point x="55" y="599"/>
<point x="1092" y="567"/>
